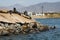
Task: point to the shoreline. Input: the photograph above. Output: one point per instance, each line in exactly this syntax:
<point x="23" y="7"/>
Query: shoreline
<point x="43" y="17"/>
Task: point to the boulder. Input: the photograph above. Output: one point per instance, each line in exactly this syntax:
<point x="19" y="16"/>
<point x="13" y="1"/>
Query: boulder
<point x="25" y="29"/>
<point x="4" y="33"/>
<point x="43" y="28"/>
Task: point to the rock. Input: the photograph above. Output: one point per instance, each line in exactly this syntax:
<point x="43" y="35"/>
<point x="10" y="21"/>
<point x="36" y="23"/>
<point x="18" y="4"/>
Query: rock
<point x="32" y="25"/>
<point x="1" y="24"/>
<point x="53" y="27"/>
<point x="25" y="29"/>
<point x="6" y="25"/>
<point x="44" y="28"/>
<point x="34" y="31"/>
<point x="16" y="32"/>
<point x="4" y="32"/>
<point x="11" y="31"/>
<point x="16" y="28"/>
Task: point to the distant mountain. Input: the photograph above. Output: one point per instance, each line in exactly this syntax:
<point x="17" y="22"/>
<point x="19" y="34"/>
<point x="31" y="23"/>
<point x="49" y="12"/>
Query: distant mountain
<point x="3" y="7"/>
<point x="37" y="7"/>
<point x="46" y="7"/>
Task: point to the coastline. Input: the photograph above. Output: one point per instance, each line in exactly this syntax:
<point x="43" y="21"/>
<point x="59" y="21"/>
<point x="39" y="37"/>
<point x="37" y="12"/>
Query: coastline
<point x="45" y="17"/>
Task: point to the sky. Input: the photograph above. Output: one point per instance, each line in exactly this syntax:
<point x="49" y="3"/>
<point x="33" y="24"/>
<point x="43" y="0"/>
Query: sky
<point x="24" y="2"/>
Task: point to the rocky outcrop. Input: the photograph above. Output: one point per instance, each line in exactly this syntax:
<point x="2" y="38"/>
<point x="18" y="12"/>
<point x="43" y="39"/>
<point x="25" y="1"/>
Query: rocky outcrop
<point x="15" y="28"/>
<point x="17" y="24"/>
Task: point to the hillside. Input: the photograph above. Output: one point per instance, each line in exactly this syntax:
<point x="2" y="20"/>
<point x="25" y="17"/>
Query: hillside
<point x="46" y="7"/>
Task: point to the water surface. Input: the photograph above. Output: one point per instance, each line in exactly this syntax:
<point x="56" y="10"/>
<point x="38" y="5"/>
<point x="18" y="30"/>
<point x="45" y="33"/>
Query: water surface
<point x="50" y="21"/>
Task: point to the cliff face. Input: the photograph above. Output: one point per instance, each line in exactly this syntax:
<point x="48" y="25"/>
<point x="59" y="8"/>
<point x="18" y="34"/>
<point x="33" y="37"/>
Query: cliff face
<point x="13" y="18"/>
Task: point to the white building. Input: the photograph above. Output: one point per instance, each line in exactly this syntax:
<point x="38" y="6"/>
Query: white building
<point x="39" y="14"/>
<point x="35" y="14"/>
<point x="30" y="13"/>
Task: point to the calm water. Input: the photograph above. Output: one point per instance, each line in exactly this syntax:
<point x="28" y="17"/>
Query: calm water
<point x="50" y="22"/>
<point x="48" y="35"/>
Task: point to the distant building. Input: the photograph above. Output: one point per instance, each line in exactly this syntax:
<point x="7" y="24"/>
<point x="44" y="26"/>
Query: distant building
<point x="51" y="14"/>
<point x="34" y="14"/>
<point x="30" y="13"/>
<point x="39" y="14"/>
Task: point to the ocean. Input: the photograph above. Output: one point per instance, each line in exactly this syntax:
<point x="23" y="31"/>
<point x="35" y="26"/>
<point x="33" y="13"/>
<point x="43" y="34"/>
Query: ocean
<point x="50" y="21"/>
<point x="48" y="35"/>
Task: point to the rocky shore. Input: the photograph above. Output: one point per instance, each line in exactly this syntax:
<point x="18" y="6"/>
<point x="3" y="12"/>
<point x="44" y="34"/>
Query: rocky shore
<point x="13" y="22"/>
<point x="19" y="28"/>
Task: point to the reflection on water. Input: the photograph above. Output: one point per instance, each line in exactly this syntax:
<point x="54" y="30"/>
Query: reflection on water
<point x="48" y="35"/>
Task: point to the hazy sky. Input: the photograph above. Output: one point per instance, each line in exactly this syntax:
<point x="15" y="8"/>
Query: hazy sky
<point x="23" y="2"/>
